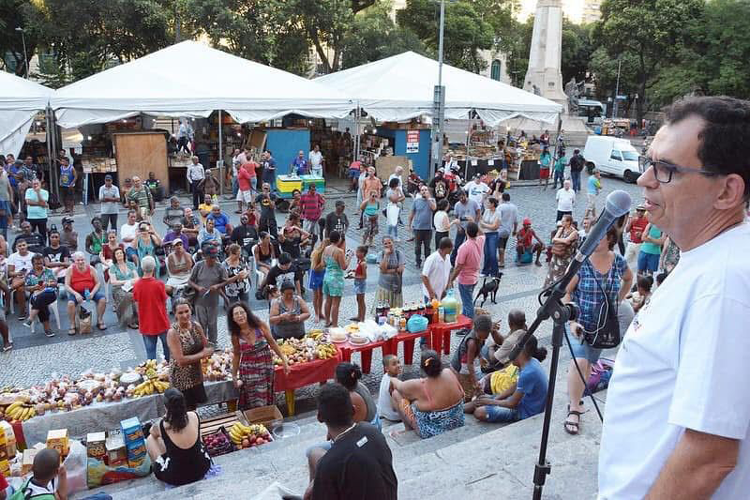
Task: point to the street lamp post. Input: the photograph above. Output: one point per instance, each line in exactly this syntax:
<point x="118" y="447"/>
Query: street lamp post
<point x="25" y="57"/>
<point x="617" y="89"/>
<point x="438" y="106"/>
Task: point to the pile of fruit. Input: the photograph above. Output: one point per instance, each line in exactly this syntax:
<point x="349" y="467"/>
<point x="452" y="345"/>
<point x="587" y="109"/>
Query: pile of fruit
<point x="246" y="436"/>
<point x="218" y="367"/>
<point x="20" y="410"/>
<point x="150" y="386"/>
<point x="314" y="345"/>
<point x="218" y="443"/>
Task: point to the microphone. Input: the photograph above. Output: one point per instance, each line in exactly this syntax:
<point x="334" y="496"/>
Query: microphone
<point x="617" y="205"/>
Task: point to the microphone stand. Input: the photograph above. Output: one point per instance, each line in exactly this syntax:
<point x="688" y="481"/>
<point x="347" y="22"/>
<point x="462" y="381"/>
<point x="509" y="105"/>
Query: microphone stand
<point x="560" y="314"/>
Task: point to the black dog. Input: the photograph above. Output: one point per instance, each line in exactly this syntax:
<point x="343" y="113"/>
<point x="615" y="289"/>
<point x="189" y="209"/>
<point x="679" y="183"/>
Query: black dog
<point x="489" y="288"/>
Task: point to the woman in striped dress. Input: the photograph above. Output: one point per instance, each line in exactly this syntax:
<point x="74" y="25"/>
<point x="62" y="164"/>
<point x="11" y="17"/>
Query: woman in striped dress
<point x="252" y="363"/>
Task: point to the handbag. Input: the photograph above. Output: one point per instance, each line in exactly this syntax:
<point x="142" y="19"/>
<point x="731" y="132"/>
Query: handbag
<point x="606" y="336"/>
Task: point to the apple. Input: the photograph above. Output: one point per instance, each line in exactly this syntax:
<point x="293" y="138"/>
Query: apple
<point x="245" y="443"/>
<point x="260" y="441"/>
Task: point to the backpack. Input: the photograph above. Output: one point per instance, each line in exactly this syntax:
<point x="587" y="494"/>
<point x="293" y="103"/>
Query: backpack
<point x="24" y="493"/>
<point x="439" y="190"/>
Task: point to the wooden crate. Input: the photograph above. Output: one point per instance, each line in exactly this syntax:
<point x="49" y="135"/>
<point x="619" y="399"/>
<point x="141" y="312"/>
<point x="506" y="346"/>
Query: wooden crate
<point x="212" y="425"/>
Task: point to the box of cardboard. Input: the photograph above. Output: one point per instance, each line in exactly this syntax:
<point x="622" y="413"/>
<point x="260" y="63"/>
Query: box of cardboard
<point x="131" y="430"/>
<point x="10" y="438"/>
<point x="136" y="450"/>
<point x="117" y="454"/>
<point x="27" y="462"/>
<point x="58" y="440"/>
<point x="96" y="445"/>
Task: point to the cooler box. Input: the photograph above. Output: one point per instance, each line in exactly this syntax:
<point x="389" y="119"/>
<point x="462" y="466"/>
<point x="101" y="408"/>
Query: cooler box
<point x="320" y="183"/>
<point x="285" y="184"/>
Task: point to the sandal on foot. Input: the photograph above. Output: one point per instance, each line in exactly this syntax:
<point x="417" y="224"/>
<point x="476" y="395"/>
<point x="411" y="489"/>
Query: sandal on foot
<point x="101" y="326"/>
<point x="573" y="427"/>
<point x="8" y="347"/>
<point x="71" y="331"/>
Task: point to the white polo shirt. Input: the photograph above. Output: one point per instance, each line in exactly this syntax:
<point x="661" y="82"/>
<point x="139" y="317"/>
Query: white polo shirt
<point x="683" y="364"/>
<point x="565" y="199"/>
<point x="438" y="270"/>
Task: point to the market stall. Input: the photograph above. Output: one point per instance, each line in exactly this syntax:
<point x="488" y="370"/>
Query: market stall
<point x="402" y="88"/>
<point x="155" y="86"/>
<point x="20" y="101"/>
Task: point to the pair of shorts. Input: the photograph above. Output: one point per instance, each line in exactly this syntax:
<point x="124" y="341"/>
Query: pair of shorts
<point x="94" y="299"/>
<point x="502" y="242"/>
<point x="582" y="350"/>
<point x="648" y="262"/>
<point x="544" y="173"/>
<point x="360" y="286"/>
<point x="354" y="173"/>
<point x="497" y="414"/>
<point x="245" y="196"/>
<point x="333" y="288"/>
<point x="316" y="279"/>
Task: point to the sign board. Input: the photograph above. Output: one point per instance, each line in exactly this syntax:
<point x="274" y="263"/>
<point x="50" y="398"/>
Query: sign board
<point x="412" y="141"/>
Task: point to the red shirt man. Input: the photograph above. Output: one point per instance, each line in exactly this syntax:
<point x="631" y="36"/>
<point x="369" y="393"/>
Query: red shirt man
<point x="151" y="297"/>
<point x="637" y="225"/>
<point x="311" y="204"/>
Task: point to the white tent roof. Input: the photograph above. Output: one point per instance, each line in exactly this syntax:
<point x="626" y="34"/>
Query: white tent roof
<point x="20" y="100"/>
<point x="190" y="78"/>
<point x="401" y="87"/>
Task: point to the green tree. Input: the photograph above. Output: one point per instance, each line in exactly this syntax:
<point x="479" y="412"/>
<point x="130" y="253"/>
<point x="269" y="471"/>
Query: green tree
<point x="654" y="32"/>
<point x="465" y="32"/>
<point x="577" y="48"/>
<point x="17" y="14"/>
<point x="375" y="36"/>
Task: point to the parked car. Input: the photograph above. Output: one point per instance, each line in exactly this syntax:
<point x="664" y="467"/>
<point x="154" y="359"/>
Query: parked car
<point x="613" y="156"/>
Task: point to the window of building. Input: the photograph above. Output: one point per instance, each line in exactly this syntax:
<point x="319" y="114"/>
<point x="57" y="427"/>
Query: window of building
<point x="495" y="70"/>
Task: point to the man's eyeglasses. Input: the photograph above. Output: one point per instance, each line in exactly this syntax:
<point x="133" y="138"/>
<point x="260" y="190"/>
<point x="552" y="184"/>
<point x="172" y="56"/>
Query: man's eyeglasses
<point x="663" y="170"/>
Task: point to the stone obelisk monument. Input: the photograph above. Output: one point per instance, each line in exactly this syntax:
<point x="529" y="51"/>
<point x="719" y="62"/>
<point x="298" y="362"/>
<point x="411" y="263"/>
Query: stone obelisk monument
<point x="544" y="76"/>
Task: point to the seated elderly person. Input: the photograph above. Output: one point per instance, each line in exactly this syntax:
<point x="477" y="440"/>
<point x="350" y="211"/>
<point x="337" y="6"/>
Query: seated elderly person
<point x="174" y="212"/>
<point x="41" y="284"/>
<point x="432" y="405"/>
<point x="221" y="221"/>
<point x="179" y="266"/>
<point x="82" y="283"/>
<point x="209" y="234"/>
<point x="191" y="225"/>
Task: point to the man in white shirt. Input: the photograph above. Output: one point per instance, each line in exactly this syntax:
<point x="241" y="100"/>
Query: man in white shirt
<point x="477" y="190"/>
<point x="677" y="421"/>
<point x="316" y="161"/>
<point x="19" y="265"/>
<point x="128" y="230"/>
<point x="566" y="200"/>
<point x="436" y="273"/>
<point x="195" y="174"/>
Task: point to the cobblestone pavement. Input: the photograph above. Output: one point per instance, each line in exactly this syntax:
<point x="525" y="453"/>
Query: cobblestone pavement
<point x="34" y="357"/>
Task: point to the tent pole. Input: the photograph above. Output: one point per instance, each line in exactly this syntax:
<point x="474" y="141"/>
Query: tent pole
<point x="50" y="155"/>
<point x="221" y="157"/>
<point x="357" y="116"/>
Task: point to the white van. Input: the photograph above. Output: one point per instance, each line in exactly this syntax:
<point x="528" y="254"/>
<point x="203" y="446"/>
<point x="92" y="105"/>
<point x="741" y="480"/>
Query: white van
<point x="613" y="156"/>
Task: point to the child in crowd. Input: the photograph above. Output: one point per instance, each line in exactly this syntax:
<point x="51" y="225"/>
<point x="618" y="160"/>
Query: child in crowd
<point x="521" y="400"/>
<point x="641" y="296"/>
<point x="392" y="367"/>
<point x="360" y="280"/>
<point x="370" y="208"/>
<point x="49" y="480"/>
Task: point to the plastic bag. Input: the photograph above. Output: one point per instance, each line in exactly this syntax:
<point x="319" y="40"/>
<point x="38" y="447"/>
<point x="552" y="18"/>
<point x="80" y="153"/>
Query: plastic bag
<point x="392" y="214"/>
<point x="75" y="465"/>
<point x="100" y="474"/>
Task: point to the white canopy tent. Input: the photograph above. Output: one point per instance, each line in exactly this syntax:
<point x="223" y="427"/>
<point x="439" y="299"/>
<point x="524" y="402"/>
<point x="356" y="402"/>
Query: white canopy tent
<point x="20" y="100"/>
<point x="192" y="79"/>
<point x="401" y="87"/>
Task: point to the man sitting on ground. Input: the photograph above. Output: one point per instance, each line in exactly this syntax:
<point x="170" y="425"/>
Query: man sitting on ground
<point x="359" y="463"/>
<point x="174" y="213"/>
<point x="34" y="241"/>
<point x="221" y="221"/>
<point x="176" y="233"/>
<point x="496" y="351"/>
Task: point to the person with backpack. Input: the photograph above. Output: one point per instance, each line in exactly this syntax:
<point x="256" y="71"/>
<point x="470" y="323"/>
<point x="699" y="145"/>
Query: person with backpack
<point x="577" y="162"/>
<point x="49" y="480"/>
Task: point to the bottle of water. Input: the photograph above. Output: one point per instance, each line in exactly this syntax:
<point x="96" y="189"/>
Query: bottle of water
<point x="86" y="294"/>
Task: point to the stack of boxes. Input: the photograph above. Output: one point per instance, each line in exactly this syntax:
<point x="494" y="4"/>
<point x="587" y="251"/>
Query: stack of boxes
<point x="135" y="442"/>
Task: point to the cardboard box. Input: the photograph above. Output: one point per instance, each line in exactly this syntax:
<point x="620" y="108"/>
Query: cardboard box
<point x="10" y="438"/>
<point x="117" y="454"/>
<point x="131" y="430"/>
<point x="5" y="468"/>
<point x="268" y="416"/>
<point x="96" y="445"/>
<point x="134" y="464"/>
<point x="58" y="440"/>
<point x="27" y="462"/>
<point x="137" y="451"/>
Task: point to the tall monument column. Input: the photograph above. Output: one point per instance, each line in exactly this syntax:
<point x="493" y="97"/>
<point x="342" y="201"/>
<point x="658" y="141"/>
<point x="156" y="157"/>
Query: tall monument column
<point x="545" y="58"/>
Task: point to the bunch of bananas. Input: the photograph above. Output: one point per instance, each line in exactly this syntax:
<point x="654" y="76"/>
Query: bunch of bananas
<point x="316" y="334"/>
<point x="244" y="436"/>
<point x="325" y="351"/>
<point x="149" y="387"/>
<point x="20" y="411"/>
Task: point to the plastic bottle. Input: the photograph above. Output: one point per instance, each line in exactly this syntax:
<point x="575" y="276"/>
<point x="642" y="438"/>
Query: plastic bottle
<point x="86" y="294"/>
<point x="450" y="305"/>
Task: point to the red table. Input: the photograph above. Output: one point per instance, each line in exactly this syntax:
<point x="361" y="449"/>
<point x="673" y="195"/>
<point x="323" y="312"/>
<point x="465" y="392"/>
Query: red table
<point x="302" y="374"/>
<point x="408" y="340"/>
<point x="441" y="333"/>
<point x="365" y="350"/>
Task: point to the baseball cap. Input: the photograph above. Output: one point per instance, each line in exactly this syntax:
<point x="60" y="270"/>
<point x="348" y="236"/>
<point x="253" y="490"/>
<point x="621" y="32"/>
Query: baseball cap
<point x="107" y="177"/>
<point x="527" y="221"/>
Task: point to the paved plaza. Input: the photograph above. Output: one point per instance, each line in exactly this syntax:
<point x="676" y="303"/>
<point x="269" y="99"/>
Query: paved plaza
<point x="35" y="358"/>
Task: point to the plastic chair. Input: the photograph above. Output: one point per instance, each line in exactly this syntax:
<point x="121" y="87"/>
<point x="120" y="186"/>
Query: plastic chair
<point x="55" y="311"/>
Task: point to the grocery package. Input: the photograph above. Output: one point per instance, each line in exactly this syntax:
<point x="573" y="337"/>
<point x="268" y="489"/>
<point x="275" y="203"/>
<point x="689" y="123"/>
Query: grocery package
<point x="96" y="445"/>
<point x="58" y="440"/>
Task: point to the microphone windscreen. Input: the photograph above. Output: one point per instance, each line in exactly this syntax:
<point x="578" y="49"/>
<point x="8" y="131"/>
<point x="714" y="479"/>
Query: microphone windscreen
<point x="618" y="203"/>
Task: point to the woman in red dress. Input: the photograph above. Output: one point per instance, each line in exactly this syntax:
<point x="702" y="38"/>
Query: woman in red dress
<point x="252" y="363"/>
